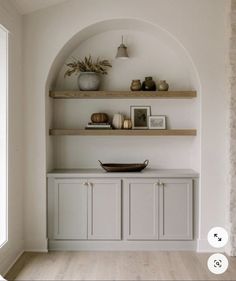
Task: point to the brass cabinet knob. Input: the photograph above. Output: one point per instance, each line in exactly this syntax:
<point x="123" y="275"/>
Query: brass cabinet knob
<point x="160" y="182"/>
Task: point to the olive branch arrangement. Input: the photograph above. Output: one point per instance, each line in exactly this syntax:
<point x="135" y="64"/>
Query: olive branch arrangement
<point x="87" y="65"/>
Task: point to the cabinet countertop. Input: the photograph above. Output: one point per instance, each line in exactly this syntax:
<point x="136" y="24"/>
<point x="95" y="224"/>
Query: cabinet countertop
<point x="99" y="173"/>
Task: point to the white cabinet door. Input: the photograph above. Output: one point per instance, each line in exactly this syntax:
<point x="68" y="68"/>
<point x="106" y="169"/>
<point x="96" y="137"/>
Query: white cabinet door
<point x="176" y="209"/>
<point x="140" y="209"/>
<point x="67" y="209"/>
<point x="104" y="209"/>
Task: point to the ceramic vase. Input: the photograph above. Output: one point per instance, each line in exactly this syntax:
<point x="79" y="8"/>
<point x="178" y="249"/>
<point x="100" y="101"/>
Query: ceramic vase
<point x="89" y="81"/>
<point x="136" y="85"/>
<point x="117" y="121"/>
<point x="162" y="86"/>
<point x="148" y="84"/>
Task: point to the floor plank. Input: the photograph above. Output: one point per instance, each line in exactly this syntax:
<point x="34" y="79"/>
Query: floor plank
<point x="116" y="266"/>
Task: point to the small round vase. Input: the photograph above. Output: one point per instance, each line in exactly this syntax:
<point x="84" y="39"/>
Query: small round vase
<point x="136" y="85"/>
<point x="148" y="84"/>
<point x="89" y="81"/>
<point x="162" y="86"/>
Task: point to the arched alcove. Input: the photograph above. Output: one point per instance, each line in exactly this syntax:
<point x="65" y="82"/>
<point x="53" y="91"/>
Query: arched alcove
<point x="121" y="24"/>
<point x="49" y="41"/>
<point x="77" y="152"/>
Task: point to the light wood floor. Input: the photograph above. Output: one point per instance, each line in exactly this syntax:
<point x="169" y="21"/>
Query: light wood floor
<point x="116" y="266"/>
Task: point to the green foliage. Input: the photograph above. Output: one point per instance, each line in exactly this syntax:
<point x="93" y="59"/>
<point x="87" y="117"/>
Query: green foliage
<point x="87" y="65"/>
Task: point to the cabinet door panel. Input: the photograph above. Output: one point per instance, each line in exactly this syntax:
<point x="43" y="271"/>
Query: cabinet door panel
<point x="176" y="215"/>
<point x="70" y="219"/>
<point x="141" y="209"/>
<point x="104" y="209"/>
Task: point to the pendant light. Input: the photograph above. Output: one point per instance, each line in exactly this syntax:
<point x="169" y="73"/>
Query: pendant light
<point x="122" y="51"/>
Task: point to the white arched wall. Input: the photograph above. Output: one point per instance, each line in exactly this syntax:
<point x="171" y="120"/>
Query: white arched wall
<point x="40" y="53"/>
<point x="152" y="52"/>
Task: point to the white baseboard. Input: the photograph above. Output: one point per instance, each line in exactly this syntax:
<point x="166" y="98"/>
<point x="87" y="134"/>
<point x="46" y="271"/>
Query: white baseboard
<point x="36" y="250"/>
<point x="204" y="247"/>
<point x="9" y="253"/>
<point x="12" y="263"/>
<point x="62" y="245"/>
<point x="36" y="245"/>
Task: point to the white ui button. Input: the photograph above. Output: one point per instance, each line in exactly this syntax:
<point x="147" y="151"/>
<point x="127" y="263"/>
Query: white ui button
<point x="217" y="237"/>
<point x="217" y="263"/>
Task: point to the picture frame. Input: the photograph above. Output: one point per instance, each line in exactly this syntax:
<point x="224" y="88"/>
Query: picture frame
<point x="139" y="116"/>
<point x="157" y="122"/>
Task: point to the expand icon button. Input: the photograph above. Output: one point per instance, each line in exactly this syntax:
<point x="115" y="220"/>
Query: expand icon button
<point x="217" y="237"/>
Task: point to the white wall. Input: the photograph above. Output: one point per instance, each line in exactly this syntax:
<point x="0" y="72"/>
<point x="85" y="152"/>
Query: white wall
<point x="199" y="28"/>
<point x="14" y="247"/>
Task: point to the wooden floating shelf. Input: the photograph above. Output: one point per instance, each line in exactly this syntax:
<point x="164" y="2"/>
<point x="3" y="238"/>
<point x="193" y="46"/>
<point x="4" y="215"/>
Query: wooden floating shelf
<point x="82" y="132"/>
<point x="123" y="94"/>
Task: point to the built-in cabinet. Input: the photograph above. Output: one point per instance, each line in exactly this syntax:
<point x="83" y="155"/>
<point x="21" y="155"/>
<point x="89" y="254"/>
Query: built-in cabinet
<point x="104" y="209"/>
<point x="120" y="209"/>
<point x="158" y="209"/>
<point x="67" y="209"/>
<point x="175" y="209"/>
<point x="141" y="209"/>
<point x="81" y="209"/>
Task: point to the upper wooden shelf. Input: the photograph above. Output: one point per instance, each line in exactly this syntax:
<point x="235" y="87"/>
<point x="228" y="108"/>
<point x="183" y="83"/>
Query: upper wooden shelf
<point x="122" y="94"/>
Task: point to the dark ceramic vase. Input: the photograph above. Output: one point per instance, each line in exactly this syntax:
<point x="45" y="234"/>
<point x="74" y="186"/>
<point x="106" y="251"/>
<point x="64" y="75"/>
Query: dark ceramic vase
<point x="148" y="84"/>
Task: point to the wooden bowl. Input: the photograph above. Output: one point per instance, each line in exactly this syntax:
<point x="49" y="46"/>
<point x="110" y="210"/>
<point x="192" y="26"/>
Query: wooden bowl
<point x="121" y="167"/>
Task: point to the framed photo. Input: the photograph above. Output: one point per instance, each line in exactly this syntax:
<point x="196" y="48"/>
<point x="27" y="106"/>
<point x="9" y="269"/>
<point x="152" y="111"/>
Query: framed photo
<point x="157" y="122"/>
<point x="139" y="116"/>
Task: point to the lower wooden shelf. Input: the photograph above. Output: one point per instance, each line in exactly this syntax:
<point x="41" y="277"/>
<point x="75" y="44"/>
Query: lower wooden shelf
<point x="82" y="132"/>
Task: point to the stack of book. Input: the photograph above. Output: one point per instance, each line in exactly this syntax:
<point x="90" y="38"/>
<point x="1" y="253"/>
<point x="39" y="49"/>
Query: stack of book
<point x="97" y="126"/>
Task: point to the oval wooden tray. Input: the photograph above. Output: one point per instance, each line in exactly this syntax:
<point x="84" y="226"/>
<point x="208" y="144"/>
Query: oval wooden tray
<point x="120" y="167"/>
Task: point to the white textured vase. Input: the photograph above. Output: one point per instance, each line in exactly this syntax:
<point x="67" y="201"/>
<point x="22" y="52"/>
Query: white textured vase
<point x="117" y="121"/>
<point x="89" y="81"/>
